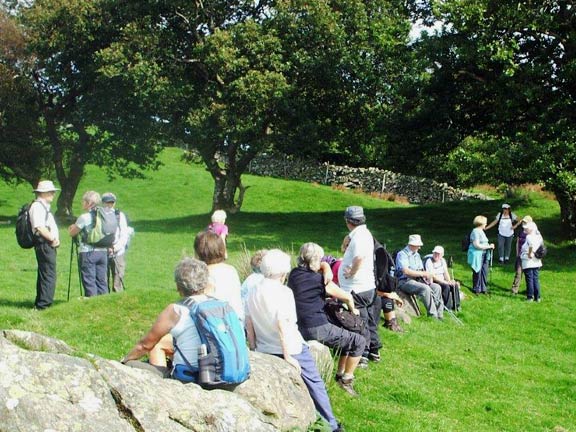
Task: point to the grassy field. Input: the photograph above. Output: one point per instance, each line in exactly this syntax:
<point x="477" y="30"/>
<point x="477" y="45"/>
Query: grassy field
<point x="510" y="367"/>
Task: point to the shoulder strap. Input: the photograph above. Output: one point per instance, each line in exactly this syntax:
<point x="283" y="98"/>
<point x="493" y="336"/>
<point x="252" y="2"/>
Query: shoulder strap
<point x="188" y="302"/>
<point x="45" y="208"/>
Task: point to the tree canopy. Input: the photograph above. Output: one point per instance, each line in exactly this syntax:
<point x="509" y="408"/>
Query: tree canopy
<point x="494" y="99"/>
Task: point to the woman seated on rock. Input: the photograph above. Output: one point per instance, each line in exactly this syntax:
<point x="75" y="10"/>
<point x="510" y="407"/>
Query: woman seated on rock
<point x="191" y="277"/>
<point x="271" y="328"/>
<point x="310" y="292"/>
<point x="224" y="279"/>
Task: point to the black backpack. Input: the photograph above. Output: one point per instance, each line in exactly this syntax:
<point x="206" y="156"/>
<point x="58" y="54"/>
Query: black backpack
<point x="340" y="316"/>
<point x="541" y="252"/>
<point x="384" y="269"/>
<point x="24" y="235"/>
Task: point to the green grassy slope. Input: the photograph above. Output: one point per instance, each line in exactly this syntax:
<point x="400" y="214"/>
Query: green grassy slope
<point x="508" y="368"/>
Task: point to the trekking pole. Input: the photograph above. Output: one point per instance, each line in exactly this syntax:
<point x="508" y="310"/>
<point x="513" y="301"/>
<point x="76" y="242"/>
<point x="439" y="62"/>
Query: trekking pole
<point x="75" y="240"/>
<point x="70" y="269"/>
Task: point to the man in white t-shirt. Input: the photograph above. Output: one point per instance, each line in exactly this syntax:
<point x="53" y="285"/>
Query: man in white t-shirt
<point x="117" y="253"/>
<point x="356" y="276"/>
<point x="435" y="264"/>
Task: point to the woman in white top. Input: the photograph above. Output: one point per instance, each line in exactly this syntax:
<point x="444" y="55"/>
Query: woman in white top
<point x="506" y="221"/>
<point x="211" y="249"/>
<point x="174" y="322"/>
<point x="530" y="264"/>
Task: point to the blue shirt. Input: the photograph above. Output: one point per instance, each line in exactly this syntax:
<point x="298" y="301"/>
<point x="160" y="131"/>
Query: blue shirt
<point x="407" y="259"/>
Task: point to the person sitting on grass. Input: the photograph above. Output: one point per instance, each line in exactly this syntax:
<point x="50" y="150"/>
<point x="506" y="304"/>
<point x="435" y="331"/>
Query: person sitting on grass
<point x="271" y="328"/>
<point x="310" y="291"/>
<point x="174" y="322"/>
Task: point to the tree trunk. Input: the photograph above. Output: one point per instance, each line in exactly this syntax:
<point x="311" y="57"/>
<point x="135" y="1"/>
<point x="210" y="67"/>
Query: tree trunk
<point x="68" y="181"/>
<point x="567" y="201"/>
<point x="225" y="187"/>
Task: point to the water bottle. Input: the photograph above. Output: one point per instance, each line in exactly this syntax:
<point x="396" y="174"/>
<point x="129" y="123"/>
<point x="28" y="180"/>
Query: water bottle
<point x="205" y="370"/>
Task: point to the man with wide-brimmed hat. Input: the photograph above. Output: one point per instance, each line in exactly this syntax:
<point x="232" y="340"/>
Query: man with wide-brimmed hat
<point x="47" y="241"/>
<point x="413" y="279"/>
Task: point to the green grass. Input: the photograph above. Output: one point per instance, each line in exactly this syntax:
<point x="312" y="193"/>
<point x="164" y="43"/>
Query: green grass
<point x="508" y="368"/>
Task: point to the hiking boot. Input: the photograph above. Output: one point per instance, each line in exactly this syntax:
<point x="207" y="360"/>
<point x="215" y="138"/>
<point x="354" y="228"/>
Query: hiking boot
<point x="338" y="377"/>
<point x="514" y="290"/>
<point x="348" y="386"/>
<point x="392" y="325"/>
<point x="363" y="364"/>
<point x="374" y="356"/>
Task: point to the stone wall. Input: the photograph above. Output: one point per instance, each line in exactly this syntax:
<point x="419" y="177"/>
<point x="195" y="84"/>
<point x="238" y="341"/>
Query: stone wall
<point x="416" y="190"/>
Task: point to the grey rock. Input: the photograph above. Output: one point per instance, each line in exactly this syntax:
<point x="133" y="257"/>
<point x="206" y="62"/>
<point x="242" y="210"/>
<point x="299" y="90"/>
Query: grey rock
<point x="45" y="388"/>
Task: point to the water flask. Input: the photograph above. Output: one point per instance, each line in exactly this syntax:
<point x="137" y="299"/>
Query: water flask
<point x="205" y="369"/>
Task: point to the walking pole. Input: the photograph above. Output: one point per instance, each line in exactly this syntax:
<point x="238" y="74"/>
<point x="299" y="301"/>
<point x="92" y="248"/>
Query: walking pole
<point x="490" y="271"/>
<point x="70" y="269"/>
<point x="75" y="240"/>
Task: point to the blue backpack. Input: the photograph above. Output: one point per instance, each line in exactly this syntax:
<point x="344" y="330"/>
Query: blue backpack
<point x="223" y="356"/>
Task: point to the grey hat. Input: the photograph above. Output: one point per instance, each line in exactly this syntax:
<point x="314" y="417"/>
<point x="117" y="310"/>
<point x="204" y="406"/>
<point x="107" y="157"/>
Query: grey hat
<point x="354" y="212"/>
<point x="108" y="197"/>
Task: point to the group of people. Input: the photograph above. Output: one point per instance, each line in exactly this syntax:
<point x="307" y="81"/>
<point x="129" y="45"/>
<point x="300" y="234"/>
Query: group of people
<point x="529" y="240"/>
<point x="95" y="263"/>
<point x="282" y="307"/>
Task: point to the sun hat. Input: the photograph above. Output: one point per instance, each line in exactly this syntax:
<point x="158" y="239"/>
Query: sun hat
<point x="108" y="197"/>
<point x="527" y="219"/>
<point x="415" y="240"/>
<point x="438" y="249"/>
<point x="505" y="206"/>
<point x="46" y="186"/>
<point x="354" y="212"/>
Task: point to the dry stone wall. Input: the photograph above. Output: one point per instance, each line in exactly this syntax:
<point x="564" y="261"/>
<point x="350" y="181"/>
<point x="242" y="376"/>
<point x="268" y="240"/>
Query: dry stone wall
<point x="417" y="190"/>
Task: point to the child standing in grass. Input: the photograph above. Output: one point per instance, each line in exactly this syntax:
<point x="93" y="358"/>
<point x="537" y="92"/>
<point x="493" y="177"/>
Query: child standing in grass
<point x="218" y="225"/>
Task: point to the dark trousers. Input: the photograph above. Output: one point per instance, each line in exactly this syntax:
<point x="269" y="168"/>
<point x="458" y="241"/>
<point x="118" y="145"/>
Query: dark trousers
<point x="480" y="279"/>
<point x="46" y="278"/>
<point x="532" y="276"/>
<point x="94" y="267"/>
<point x="365" y="302"/>
<point x="517" y="275"/>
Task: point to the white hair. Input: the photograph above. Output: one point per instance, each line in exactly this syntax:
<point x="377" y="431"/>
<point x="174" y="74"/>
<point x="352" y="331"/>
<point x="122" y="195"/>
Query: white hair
<point x="219" y="216"/>
<point x="275" y="264"/>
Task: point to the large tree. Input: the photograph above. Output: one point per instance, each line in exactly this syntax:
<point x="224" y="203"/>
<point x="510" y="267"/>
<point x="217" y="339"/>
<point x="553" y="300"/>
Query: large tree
<point x="494" y="100"/>
<point x="62" y="105"/>
<point x="307" y="77"/>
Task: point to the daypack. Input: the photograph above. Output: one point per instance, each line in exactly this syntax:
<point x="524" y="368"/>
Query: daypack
<point x="541" y="251"/>
<point x="102" y="231"/>
<point x="384" y="269"/>
<point x="226" y="361"/>
<point x="24" y="235"/>
<point x="340" y="316"/>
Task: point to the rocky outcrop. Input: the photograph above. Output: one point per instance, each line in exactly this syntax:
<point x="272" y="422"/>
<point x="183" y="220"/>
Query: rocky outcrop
<point x="44" y="387"/>
<point x="417" y="190"/>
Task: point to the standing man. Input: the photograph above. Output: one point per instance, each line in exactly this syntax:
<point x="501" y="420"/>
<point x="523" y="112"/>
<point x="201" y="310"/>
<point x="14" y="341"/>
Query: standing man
<point x="93" y="259"/>
<point x="47" y="240"/>
<point x="356" y="276"/>
<point x="413" y="279"/>
<point x="116" y="254"/>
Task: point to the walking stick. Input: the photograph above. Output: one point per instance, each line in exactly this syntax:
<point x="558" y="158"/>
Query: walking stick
<point x="70" y="268"/>
<point x="75" y="240"/>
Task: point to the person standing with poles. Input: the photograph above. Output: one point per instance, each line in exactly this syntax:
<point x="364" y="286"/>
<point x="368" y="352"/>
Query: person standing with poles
<point x="480" y="255"/>
<point x="93" y="259"/>
<point x="116" y="253"/>
<point x="47" y="240"/>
